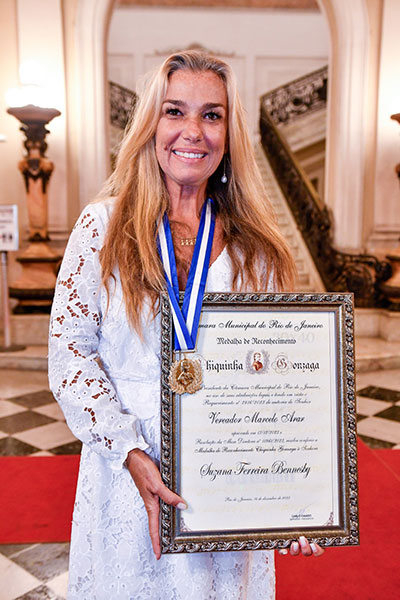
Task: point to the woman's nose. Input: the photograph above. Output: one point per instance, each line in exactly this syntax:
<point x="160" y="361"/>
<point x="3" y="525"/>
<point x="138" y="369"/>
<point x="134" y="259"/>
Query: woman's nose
<point x="192" y="130"/>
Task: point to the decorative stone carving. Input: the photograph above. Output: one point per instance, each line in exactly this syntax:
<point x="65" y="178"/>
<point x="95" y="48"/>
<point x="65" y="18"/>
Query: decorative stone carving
<point x="122" y="103"/>
<point x="35" y="288"/>
<point x="303" y="95"/>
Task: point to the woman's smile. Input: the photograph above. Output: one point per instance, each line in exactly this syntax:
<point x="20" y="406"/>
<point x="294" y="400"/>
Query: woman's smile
<point x="188" y="154"/>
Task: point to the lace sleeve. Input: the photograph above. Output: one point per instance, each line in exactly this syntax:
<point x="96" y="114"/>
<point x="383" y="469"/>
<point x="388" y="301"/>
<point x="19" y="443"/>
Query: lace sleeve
<point x="81" y="387"/>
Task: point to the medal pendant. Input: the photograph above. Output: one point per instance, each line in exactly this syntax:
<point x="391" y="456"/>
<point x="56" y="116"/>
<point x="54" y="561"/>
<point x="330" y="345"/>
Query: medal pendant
<point x="186" y="376"/>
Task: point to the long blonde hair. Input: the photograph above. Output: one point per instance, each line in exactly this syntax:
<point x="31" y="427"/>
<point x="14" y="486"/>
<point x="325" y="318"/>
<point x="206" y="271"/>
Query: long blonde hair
<point x="249" y="227"/>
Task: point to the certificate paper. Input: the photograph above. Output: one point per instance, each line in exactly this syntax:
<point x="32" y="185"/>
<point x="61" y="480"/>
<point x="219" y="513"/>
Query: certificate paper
<point x="261" y="451"/>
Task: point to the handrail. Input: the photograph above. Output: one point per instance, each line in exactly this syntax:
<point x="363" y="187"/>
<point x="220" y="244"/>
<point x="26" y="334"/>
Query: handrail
<point x="361" y="274"/>
<point x="302" y="95"/>
<point x="122" y="104"/>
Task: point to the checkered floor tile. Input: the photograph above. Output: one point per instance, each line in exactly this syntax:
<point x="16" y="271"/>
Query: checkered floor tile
<point x="33" y="424"/>
<point x="378" y="416"/>
<point x="34" y="571"/>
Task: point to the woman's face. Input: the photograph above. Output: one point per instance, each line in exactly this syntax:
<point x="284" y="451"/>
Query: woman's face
<point x="192" y="130"/>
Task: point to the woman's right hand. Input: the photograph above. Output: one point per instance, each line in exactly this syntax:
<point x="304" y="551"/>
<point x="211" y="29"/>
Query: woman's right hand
<point x="148" y="481"/>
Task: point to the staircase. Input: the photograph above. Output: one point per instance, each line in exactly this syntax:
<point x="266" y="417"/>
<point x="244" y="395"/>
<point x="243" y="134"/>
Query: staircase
<point x="308" y="277"/>
<point x="377" y="331"/>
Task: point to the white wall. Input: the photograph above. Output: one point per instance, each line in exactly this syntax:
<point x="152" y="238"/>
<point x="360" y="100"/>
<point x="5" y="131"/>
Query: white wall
<point x="266" y="48"/>
<point x="11" y="182"/>
<point x="40" y="37"/>
<point x="34" y="30"/>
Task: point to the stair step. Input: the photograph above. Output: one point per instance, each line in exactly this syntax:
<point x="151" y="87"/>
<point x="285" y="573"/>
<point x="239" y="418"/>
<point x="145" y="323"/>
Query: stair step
<point x="303" y="279"/>
<point x="30" y="330"/>
<point x="285" y="227"/>
<point x="33" y="358"/>
<point x="299" y="265"/>
<point x="294" y="248"/>
<point x="373" y="354"/>
<point x="309" y="279"/>
<point x="289" y="237"/>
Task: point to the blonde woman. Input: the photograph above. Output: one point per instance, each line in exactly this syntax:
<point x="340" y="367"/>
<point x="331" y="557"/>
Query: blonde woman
<point x="187" y="142"/>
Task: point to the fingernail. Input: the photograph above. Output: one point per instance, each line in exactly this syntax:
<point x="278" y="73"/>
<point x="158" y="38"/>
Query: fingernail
<point x="284" y="551"/>
<point x="295" y="546"/>
<point x="303" y="541"/>
<point x="181" y="506"/>
<point x="313" y="547"/>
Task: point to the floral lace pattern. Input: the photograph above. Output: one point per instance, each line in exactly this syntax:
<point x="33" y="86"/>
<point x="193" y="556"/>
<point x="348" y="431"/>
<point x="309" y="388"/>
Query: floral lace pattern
<point x="107" y="383"/>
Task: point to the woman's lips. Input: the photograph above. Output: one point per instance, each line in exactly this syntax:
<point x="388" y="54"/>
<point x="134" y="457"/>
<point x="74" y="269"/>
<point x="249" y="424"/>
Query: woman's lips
<point x="186" y="154"/>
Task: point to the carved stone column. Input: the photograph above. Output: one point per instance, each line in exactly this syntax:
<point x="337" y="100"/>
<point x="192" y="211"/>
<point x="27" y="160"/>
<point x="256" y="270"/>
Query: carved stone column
<point x="34" y="290"/>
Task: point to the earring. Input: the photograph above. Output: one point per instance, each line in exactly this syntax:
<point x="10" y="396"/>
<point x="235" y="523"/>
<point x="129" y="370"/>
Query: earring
<point x="224" y="178"/>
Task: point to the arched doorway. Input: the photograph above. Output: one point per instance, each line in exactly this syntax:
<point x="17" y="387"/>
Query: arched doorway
<point x="346" y="149"/>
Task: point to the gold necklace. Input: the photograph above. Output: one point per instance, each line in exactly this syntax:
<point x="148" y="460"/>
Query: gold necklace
<point x="188" y="241"/>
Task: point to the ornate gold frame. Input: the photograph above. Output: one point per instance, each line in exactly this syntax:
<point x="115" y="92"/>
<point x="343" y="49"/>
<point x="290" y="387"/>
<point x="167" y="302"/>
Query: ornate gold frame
<point x="173" y="538"/>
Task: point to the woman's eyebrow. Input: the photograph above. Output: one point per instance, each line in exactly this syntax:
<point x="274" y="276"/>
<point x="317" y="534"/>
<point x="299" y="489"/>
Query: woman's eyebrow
<point x="205" y="106"/>
<point x="213" y="105"/>
<point x="176" y="102"/>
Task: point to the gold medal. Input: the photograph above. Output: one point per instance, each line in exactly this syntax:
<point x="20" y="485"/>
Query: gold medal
<point x="186" y="376"/>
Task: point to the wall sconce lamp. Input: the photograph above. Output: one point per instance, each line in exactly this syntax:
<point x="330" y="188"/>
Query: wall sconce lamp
<point x="34" y="290"/>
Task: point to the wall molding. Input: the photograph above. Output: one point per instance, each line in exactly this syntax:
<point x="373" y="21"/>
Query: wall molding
<point x="92" y="22"/>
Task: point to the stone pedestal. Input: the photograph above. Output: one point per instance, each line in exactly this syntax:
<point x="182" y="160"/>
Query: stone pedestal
<point x="34" y="290"/>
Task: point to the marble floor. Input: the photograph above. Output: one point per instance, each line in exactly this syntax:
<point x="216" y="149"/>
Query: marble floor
<point x="32" y="424"/>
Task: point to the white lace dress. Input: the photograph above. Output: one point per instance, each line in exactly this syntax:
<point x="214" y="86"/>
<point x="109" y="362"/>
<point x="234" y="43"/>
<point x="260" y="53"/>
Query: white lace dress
<point x="113" y="409"/>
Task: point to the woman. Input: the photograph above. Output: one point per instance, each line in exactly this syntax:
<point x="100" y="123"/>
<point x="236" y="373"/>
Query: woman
<point x="187" y="141"/>
<point x="257" y="364"/>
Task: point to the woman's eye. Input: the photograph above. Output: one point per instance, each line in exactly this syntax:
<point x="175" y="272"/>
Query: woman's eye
<point x="174" y="112"/>
<point x="212" y="116"/>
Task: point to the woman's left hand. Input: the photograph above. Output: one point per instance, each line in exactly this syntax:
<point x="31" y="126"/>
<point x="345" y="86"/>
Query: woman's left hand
<point x="304" y="547"/>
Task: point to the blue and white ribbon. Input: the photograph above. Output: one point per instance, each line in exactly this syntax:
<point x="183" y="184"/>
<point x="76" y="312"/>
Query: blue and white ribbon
<point x="186" y="321"/>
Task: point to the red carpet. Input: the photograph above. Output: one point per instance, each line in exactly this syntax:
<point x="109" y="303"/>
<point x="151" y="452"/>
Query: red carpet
<point x="391" y="459"/>
<point x="36" y="498"/>
<point x="370" y="571"/>
<point x="37" y="494"/>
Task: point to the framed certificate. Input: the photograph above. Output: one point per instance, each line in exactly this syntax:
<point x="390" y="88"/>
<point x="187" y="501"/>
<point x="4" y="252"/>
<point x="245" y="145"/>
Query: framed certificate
<point x="263" y="448"/>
